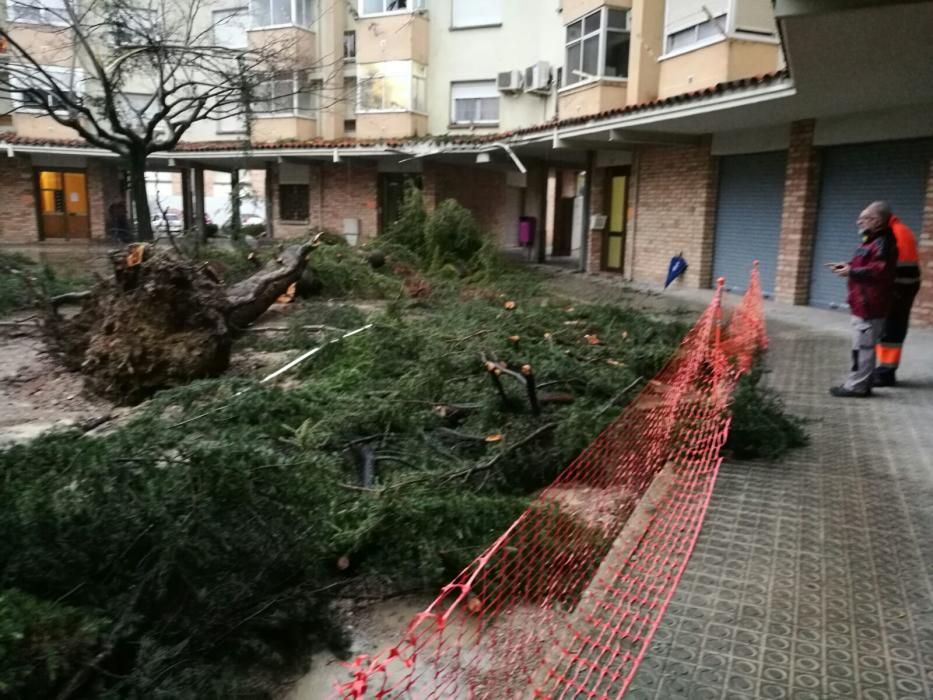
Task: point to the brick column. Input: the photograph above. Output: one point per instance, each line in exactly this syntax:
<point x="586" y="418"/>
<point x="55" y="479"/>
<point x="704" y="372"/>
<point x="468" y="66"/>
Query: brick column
<point x="710" y="196"/>
<point x="923" y="306"/>
<point x="598" y="205"/>
<point x="798" y="219"/>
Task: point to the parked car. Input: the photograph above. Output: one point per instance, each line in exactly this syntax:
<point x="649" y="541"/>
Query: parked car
<point x="252" y="220"/>
<point x="173" y="222"/>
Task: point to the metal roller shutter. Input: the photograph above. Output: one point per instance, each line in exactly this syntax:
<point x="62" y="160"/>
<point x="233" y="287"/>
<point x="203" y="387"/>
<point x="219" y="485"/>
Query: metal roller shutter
<point x="748" y="217"/>
<point x="853" y="177"/>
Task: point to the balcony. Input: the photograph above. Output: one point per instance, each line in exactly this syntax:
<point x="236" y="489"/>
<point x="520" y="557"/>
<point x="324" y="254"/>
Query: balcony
<point x="396" y="37"/>
<point x="378" y="126"/>
<point x="592" y="97"/>
<point x="716" y="62"/>
<point x="284" y="128"/>
<point x="296" y="45"/>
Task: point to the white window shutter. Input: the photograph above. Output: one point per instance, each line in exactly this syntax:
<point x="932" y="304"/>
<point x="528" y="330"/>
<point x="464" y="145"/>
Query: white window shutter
<point x="476" y="13"/>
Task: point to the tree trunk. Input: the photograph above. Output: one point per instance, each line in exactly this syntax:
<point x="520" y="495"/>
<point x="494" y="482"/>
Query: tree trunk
<point x="236" y="220"/>
<point x="249" y="299"/>
<point x="137" y="168"/>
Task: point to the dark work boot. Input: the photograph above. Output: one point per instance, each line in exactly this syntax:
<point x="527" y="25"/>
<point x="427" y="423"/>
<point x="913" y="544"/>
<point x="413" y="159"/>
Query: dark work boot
<point x="843" y="393"/>
<point x="884" y="379"/>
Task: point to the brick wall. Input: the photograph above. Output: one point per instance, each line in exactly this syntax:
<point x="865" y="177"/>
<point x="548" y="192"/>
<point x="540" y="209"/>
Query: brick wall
<point x="798" y="220"/>
<point x="598" y="205"/>
<point x="675" y="211"/>
<point x="103" y="189"/>
<point x="349" y="190"/>
<point x="923" y="306"/>
<point x="19" y="223"/>
<point x="336" y="191"/>
<point x="483" y="191"/>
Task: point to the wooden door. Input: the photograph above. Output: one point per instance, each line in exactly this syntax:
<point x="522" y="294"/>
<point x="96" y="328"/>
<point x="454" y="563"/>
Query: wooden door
<point x="63" y="204"/>
<point x="614" y="236"/>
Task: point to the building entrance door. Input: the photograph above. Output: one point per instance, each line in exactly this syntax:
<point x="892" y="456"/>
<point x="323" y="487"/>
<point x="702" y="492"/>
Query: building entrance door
<point x="392" y="189"/>
<point x="63" y="205"/>
<point x="614" y="243"/>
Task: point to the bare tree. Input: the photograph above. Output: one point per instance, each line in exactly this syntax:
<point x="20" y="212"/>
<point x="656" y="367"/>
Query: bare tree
<point x="133" y="76"/>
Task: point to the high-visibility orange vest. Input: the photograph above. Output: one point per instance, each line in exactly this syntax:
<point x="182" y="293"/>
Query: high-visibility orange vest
<point x="908" y="261"/>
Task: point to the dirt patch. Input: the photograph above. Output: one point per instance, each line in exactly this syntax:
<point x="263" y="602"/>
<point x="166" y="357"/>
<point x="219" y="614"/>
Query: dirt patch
<point x="596" y="507"/>
<point x="375" y="628"/>
<point x="36" y="392"/>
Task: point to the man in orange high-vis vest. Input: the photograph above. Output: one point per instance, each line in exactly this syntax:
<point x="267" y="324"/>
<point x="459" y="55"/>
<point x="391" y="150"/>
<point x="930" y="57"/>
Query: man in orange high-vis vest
<point x="907" y="284"/>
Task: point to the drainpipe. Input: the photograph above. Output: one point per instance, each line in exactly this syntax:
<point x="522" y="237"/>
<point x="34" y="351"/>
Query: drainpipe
<point x="585" y="228"/>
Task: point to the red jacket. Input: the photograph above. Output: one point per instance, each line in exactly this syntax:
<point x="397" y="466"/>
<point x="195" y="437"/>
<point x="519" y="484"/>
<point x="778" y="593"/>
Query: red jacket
<point x="871" y="276"/>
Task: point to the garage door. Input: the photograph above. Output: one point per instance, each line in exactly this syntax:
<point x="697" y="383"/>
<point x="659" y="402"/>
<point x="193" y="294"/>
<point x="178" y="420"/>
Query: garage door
<point x="854" y="176"/>
<point x="748" y="217"/>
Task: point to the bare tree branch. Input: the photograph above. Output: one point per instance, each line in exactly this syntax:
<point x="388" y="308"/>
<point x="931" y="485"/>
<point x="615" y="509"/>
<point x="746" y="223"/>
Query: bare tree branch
<point x="142" y="74"/>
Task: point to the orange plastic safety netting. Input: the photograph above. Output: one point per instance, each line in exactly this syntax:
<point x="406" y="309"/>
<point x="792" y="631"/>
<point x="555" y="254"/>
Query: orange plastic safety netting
<point x="565" y="602"/>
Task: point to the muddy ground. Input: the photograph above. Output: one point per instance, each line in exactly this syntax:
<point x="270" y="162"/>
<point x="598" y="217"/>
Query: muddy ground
<point x="36" y="392"/>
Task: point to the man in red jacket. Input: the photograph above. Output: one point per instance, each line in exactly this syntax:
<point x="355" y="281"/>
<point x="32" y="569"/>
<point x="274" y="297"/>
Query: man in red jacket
<point x="906" y="286"/>
<point x="870" y="275"/>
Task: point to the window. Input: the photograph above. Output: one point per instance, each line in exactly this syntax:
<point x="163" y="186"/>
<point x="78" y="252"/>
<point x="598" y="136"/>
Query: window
<point x="294" y="202"/>
<point x="230" y="27"/>
<point x="133" y="25"/>
<point x="349" y="46"/>
<point x="350" y="98"/>
<point x="271" y="13"/>
<point x="378" y="7"/>
<point x="39" y="95"/>
<point x="598" y="46"/>
<point x="474" y="103"/>
<point x="476" y="13"/>
<point x="38" y="11"/>
<point x="392" y="86"/>
<point x="702" y="31"/>
<point x="286" y="94"/>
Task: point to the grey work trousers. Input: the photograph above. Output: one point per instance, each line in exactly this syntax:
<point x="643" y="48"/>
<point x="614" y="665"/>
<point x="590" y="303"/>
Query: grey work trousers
<point x="865" y="335"/>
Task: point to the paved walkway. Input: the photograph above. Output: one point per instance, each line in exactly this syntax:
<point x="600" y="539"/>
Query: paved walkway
<point x="813" y="577"/>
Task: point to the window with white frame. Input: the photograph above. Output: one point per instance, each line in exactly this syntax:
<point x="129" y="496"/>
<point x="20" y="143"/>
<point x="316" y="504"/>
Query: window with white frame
<point x="272" y="13"/>
<point x="47" y="92"/>
<point x="476" y="13"/>
<point x="230" y="27"/>
<point x="475" y="102"/>
<point x="37" y="11"/>
<point x="349" y="46"/>
<point x="392" y="86"/>
<point x="286" y="94"/>
<point x="696" y="34"/>
<point x="598" y="46"/>
<point x="381" y="7"/>
<point x="133" y="25"/>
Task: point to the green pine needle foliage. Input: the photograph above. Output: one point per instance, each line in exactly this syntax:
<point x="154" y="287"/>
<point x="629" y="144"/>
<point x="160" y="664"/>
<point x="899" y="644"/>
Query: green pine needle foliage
<point x="197" y="551"/>
<point x="761" y="426"/>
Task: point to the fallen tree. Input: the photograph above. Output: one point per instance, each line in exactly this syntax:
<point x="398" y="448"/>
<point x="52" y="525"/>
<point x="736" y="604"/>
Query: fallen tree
<point x="162" y="320"/>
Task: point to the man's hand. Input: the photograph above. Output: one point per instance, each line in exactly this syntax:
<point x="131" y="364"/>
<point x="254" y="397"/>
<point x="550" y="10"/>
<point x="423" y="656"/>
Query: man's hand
<point x="843" y="269"/>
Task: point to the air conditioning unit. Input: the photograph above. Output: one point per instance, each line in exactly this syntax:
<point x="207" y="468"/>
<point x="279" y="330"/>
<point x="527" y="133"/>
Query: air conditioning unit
<point x="538" y="78"/>
<point x="510" y="81"/>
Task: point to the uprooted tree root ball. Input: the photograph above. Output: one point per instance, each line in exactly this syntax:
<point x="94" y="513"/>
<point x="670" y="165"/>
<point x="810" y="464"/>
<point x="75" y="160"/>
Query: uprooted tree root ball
<point x="163" y="321"/>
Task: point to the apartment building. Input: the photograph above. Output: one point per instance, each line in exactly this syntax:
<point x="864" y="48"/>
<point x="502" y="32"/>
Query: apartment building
<point x="628" y="130"/>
